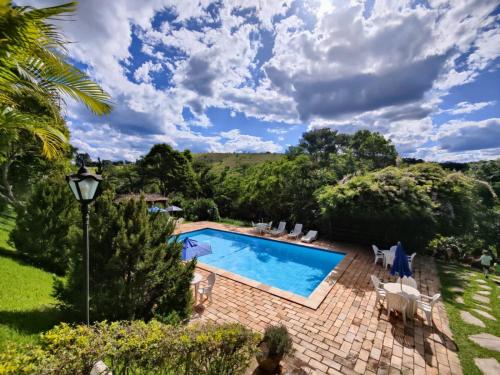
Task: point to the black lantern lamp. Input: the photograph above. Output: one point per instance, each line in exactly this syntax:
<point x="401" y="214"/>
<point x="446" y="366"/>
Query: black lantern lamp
<point x="84" y="186"/>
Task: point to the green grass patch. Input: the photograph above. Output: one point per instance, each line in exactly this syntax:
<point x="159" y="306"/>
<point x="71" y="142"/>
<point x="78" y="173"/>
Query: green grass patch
<point x="467" y="349"/>
<point x="26" y="305"/>
<point x="7" y="222"/>
<point x="239" y="223"/>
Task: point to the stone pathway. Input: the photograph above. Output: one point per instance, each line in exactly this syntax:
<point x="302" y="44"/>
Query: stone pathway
<point x="480" y="298"/>
<point x="487" y="341"/>
<point x="467" y="317"/>
<point x="486" y="287"/>
<point x="484" y="307"/>
<point x="481" y="281"/>
<point x="459" y="300"/>
<point x="484" y="314"/>
<point x="456" y="289"/>
<point x="484" y="292"/>
<point x="489" y="366"/>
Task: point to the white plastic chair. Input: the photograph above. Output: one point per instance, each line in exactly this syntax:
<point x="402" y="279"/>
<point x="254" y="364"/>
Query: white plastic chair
<point x="296" y="232"/>
<point x="426" y="304"/>
<point x="206" y="290"/>
<point x="378" y="289"/>
<point x="311" y="236"/>
<point x="397" y="302"/>
<point x="379" y="255"/>
<point x="410" y="281"/>
<point x="389" y="259"/>
<point x="410" y="260"/>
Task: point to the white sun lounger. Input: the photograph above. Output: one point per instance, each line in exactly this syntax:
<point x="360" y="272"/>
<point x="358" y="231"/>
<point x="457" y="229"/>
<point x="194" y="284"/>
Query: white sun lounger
<point x="280" y="230"/>
<point x="311" y="236"/>
<point x="296" y="232"/>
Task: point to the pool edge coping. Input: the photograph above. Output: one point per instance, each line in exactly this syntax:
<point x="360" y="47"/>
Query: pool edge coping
<point x="315" y="298"/>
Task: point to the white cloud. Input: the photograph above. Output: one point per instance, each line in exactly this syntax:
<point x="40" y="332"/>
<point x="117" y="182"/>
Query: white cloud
<point x="142" y="74"/>
<point x="278" y="131"/>
<point x="466" y="107"/>
<point x="234" y="141"/>
<point x="332" y="64"/>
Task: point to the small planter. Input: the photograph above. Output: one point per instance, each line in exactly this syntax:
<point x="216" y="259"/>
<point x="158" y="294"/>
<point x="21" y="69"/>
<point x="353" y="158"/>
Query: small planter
<point x="275" y="345"/>
<point x="269" y="363"/>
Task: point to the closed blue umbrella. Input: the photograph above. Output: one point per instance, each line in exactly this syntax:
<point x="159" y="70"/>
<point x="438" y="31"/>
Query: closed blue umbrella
<point x="400" y="265"/>
<point x="192" y="248"/>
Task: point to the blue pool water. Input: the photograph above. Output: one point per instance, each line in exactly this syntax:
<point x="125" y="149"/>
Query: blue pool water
<point x="294" y="268"/>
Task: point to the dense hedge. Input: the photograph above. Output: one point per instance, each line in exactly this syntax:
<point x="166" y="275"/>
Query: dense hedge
<point x="136" y="348"/>
<point x="410" y="204"/>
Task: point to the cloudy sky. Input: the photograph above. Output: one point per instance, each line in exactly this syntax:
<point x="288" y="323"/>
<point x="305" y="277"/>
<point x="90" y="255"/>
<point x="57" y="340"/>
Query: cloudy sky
<point x="253" y="75"/>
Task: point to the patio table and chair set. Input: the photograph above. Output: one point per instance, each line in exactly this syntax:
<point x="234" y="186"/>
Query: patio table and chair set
<point x="402" y="296"/>
<point x="295" y="233"/>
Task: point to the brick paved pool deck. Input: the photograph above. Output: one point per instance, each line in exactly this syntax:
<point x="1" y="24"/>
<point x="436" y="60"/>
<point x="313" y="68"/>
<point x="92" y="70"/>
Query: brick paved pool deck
<point x="346" y="333"/>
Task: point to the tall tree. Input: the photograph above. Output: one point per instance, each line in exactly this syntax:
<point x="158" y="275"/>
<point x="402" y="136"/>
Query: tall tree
<point x="135" y="272"/>
<point x="373" y="148"/>
<point x="171" y="169"/>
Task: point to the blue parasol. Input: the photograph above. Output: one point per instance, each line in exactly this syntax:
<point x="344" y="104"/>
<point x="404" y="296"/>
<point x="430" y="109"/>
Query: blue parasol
<point x="156" y="209"/>
<point x="174" y="209"/>
<point x="400" y="265"/>
<point x="192" y="248"/>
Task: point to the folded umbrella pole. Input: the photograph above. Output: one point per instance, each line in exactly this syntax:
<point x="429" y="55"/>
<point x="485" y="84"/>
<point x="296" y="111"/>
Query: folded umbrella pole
<point x="400" y="265"/>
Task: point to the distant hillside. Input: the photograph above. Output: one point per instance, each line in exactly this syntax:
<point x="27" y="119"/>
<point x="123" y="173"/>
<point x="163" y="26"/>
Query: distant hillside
<point x="233" y="160"/>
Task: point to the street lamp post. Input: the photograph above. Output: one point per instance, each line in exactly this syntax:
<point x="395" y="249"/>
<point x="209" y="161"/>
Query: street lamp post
<point x="84" y="186"/>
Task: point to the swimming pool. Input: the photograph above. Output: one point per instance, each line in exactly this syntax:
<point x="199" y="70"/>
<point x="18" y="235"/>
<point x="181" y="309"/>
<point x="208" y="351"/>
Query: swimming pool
<point x="290" y="267"/>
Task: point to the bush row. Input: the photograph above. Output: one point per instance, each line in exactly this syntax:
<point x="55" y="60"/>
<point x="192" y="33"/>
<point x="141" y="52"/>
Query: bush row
<point x="136" y="348"/>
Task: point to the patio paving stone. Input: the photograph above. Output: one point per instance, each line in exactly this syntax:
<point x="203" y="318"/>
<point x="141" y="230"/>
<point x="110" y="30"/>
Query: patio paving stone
<point x="487" y="341"/>
<point x="480" y="298"/>
<point x="484" y="314"/>
<point x="489" y="366"/>
<point x="467" y="317"/>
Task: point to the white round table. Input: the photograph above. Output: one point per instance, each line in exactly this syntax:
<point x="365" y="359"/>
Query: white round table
<point x="197" y="278"/>
<point x="413" y="295"/>
<point x="262" y="227"/>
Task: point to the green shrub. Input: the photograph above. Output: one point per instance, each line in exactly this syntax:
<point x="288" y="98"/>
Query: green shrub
<point x="136" y="348"/>
<point x="48" y="228"/>
<point x="201" y="209"/>
<point x="278" y="340"/>
<point x="135" y="273"/>
<point x="410" y="204"/>
<point x="461" y="248"/>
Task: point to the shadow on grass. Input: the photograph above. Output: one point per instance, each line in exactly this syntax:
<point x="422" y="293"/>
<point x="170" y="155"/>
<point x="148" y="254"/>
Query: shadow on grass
<point x="31" y="321"/>
<point x="12" y="254"/>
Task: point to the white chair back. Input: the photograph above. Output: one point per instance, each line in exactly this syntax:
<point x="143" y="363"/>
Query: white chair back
<point x="393" y="249"/>
<point x="211" y="279"/>
<point x="410" y="281"/>
<point x="282" y="226"/>
<point x="298" y="228"/>
<point x="375" y="281"/>
<point x="375" y="249"/>
<point x="397" y="301"/>
<point x="434" y="299"/>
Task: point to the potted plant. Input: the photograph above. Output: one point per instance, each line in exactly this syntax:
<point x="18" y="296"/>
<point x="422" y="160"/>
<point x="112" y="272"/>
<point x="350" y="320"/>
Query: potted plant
<point x="275" y="344"/>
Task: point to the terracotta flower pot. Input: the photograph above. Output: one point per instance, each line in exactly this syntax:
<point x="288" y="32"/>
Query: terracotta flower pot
<point x="267" y="362"/>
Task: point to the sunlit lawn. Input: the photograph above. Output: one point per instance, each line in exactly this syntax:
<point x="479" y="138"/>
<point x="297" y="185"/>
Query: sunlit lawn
<point x="468" y="350"/>
<point x="26" y="305"/>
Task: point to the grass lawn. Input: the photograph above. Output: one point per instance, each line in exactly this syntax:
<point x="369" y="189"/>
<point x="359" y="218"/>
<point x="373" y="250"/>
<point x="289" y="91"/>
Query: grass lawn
<point x="26" y="306"/>
<point x="239" y="223"/>
<point x="467" y="349"/>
